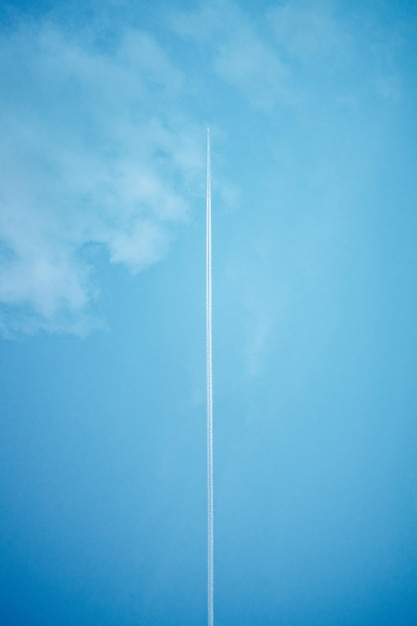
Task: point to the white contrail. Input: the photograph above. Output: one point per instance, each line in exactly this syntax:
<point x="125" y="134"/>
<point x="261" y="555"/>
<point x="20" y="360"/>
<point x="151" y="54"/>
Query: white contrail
<point x="209" y="371"/>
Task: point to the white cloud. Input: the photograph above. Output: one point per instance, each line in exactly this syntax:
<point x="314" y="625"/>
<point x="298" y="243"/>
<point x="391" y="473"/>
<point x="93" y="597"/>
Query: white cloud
<point x="308" y="30"/>
<point x="242" y="52"/>
<point x="253" y="66"/>
<point x="273" y="55"/>
<point x="92" y="152"/>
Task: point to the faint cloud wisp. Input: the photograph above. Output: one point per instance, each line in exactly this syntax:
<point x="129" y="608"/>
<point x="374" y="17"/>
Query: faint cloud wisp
<point x="91" y="153"/>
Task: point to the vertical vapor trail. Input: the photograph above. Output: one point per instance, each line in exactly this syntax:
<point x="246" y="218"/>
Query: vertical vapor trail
<point x="209" y="371"/>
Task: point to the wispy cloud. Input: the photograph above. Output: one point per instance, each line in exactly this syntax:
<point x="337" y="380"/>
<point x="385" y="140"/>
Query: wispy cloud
<point x="276" y="55"/>
<point x="242" y="53"/>
<point x="99" y="150"/>
<point x="94" y="152"/>
<point x="308" y="31"/>
<point x="247" y="62"/>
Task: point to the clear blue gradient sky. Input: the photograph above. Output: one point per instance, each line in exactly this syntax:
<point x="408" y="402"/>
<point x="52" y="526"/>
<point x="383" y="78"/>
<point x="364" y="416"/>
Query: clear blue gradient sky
<point x="103" y="115"/>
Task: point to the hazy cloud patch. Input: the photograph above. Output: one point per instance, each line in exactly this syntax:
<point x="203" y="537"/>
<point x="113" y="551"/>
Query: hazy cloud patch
<point x="241" y="52"/>
<point x="308" y="30"/>
<point x="93" y="151"/>
<point x="248" y="63"/>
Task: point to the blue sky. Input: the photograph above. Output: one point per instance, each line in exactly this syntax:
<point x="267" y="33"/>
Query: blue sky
<point x="103" y="113"/>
